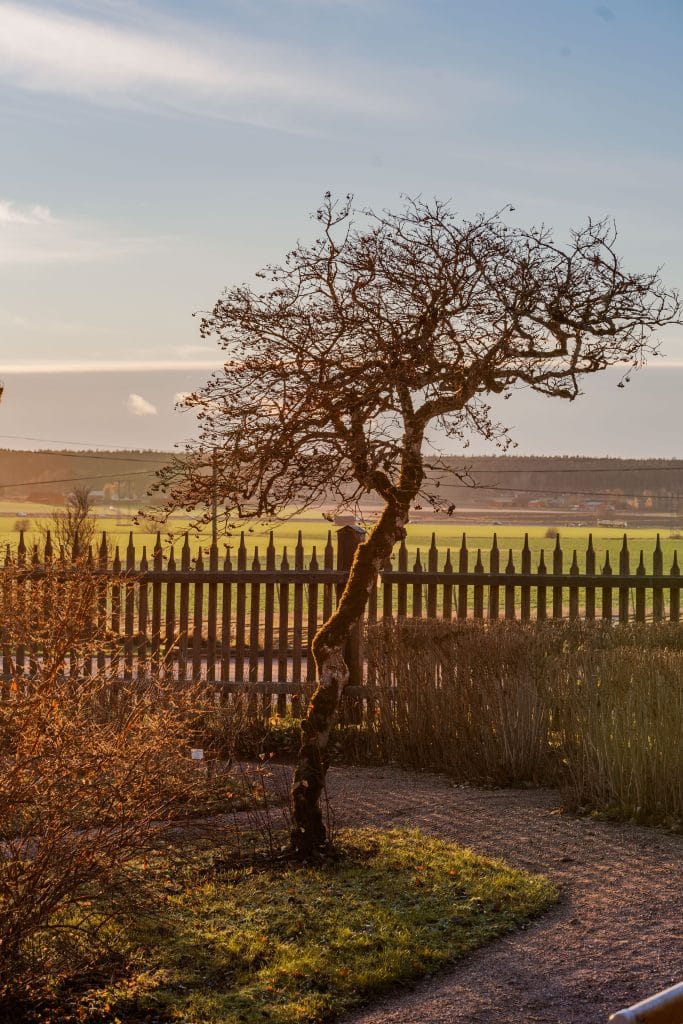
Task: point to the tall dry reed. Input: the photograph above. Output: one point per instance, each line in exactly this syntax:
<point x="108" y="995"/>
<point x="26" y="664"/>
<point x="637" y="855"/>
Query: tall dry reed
<point x="594" y="708"/>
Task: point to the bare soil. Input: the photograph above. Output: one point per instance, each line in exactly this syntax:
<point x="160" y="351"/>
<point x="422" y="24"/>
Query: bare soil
<point x="615" y="937"/>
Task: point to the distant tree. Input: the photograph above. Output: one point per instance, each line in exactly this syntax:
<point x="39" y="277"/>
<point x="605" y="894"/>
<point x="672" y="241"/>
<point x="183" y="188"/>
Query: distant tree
<point x="342" y="371"/>
<point x="73" y="527"/>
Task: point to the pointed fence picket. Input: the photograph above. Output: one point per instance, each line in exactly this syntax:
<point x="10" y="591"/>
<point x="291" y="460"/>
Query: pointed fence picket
<point x="249" y="624"/>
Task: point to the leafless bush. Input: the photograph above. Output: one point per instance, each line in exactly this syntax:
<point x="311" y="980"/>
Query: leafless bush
<point x="92" y="771"/>
<point x="73" y="527"/>
<point x="455" y="699"/>
<point x="619" y="723"/>
<point x="594" y="707"/>
<point x="81" y="794"/>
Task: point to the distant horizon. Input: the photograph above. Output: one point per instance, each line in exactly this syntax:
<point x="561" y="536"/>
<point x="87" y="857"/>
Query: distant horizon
<point x="118" y="409"/>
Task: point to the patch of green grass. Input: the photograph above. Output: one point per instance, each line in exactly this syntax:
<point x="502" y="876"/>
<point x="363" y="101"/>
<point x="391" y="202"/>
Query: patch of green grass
<point x="304" y="943"/>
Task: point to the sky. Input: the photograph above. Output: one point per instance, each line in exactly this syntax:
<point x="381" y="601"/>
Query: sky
<point x="155" y="153"/>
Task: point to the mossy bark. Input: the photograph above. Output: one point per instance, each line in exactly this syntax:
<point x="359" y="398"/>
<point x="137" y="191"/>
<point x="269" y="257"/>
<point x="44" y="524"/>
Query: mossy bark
<point x="308" y="828"/>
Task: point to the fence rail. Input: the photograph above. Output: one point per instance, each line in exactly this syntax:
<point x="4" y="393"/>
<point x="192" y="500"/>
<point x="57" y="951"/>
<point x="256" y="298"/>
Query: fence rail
<point x="251" y="622"/>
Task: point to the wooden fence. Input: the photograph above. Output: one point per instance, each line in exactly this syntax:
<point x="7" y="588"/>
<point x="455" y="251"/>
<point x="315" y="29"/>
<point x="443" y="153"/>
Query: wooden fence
<point x="251" y="622"/>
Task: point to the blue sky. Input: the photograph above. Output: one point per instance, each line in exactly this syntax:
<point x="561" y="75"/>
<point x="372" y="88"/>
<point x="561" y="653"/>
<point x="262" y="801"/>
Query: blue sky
<point x="154" y="153"/>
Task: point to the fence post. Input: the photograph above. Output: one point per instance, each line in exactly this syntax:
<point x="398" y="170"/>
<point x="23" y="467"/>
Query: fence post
<point x="348" y="539"/>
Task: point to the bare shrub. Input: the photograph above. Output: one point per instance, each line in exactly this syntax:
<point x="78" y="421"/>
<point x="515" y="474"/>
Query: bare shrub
<point x="82" y="791"/>
<point x="620" y="727"/>
<point x="73" y="527"/>
<point x="461" y="699"/>
<point x="92" y="770"/>
<point x="593" y="707"/>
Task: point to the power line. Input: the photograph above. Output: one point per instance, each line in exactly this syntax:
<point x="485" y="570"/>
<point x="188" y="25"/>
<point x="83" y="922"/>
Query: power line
<point x="626" y="469"/>
<point x="105" y="458"/>
<point x="51" y="440"/>
<point x="590" y="469"/>
<point x="520" y="470"/>
<point x="75" y="479"/>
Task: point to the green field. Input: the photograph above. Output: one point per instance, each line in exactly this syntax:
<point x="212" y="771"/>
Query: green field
<point x="314" y="530"/>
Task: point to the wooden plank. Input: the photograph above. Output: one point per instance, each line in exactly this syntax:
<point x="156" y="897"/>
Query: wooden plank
<point x="240" y="613"/>
<point x="269" y="626"/>
<point x="674" y="591"/>
<point x="283" y="636"/>
<point x="417" y="587"/>
<point x="254" y="618"/>
<point x="558" y="609"/>
<point x="312" y="623"/>
<point x="254" y="624"/>
<point x="402" y="589"/>
<point x="297" y="625"/>
<point x="432" y="565"/>
<point x="116" y="612"/>
<point x="478" y="598"/>
<point x="226" y="619"/>
<point x="447" y="609"/>
<point x="607" y="590"/>
<point x="20" y="588"/>
<point x="7" y="584"/>
<point x="463" y="558"/>
<point x="102" y="588"/>
<point x="143" y="615"/>
<point x="89" y="618"/>
<point x="623" y="590"/>
<point x="541" y="590"/>
<point x="212" y="617"/>
<point x="47" y="558"/>
<point x="372" y="620"/>
<point x="158" y="563"/>
<point x="657" y="590"/>
<point x="590" y="571"/>
<point x="170" y="643"/>
<point x="510" y="588"/>
<point x="525" y="589"/>
<point x="184" y="613"/>
<point x="129" y="610"/>
<point x="197" y="620"/>
<point x="387" y="592"/>
<point x="574" y="588"/>
<point x="494" y="589"/>
<point x="640" y="591"/>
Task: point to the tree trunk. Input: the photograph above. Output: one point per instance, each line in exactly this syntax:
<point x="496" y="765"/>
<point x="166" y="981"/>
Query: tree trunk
<point x="308" y="830"/>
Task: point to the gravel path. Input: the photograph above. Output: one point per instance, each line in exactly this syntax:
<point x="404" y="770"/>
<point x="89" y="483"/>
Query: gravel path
<point x="615" y="937"/>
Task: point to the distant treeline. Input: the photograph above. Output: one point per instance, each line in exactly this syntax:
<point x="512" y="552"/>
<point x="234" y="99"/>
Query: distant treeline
<point x="48" y="476"/>
<point x="520" y="478"/>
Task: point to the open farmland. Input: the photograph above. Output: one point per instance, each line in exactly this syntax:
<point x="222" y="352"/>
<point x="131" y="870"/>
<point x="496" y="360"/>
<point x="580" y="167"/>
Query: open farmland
<point x="314" y="533"/>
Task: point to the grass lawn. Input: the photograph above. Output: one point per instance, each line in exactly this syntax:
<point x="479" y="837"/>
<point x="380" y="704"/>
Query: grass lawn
<point x="300" y="944"/>
<point x="314" y="532"/>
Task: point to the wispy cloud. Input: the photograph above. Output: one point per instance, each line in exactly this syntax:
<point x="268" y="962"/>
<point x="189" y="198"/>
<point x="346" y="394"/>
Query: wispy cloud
<point x="110" y="366"/>
<point x="139" y="406"/>
<point x="33" y="235"/>
<point x="167" y="66"/>
<point x="11" y="214"/>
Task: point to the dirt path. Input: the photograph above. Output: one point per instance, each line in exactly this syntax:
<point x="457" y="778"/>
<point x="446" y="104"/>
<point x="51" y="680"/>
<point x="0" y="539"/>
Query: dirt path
<point x="615" y="937"/>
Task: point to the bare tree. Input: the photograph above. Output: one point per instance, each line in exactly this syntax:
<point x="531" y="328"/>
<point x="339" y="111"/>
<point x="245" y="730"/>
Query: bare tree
<point x="387" y="326"/>
<point x="74" y="527"/>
